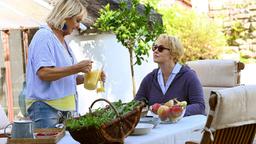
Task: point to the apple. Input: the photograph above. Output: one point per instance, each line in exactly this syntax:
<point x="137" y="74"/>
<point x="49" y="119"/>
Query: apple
<point x="163" y="112"/>
<point x="155" y="107"/>
<point x="169" y="103"/>
<point x="175" y="111"/>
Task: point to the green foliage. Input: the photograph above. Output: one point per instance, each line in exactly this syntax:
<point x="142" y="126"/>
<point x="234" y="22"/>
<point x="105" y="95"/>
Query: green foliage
<point x="202" y="38"/>
<point x="133" y="29"/>
<point x="154" y="3"/>
<point x="101" y="115"/>
<point x="236" y="31"/>
<point x="247" y="60"/>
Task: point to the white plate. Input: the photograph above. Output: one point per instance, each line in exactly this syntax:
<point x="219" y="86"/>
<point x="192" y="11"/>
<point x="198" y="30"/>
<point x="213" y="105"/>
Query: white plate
<point x="151" y="120"/>
<point x="142" y="128"/>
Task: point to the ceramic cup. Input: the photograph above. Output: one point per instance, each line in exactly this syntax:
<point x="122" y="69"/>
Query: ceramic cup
<point x="21" y="129"/>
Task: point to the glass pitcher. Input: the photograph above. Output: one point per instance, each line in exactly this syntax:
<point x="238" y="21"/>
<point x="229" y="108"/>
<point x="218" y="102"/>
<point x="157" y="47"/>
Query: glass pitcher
<point x="91" y="79"/>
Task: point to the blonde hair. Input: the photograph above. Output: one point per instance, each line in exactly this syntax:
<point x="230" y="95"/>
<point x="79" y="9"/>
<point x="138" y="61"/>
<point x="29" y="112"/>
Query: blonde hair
<point x="64" y="9"/>
<point x="172" y="43"/>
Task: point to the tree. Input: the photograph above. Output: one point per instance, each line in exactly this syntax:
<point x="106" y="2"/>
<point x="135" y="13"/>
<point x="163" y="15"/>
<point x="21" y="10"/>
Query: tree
<point x="154" y="3"/>
<point x="133" y="29"/>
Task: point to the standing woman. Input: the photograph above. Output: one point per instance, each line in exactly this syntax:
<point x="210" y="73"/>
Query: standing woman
<point x="52" y="70"/>
<point x="171" y="79"/>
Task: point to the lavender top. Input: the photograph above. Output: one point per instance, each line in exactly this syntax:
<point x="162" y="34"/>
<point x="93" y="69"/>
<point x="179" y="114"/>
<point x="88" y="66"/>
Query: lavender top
<point x="45" y="50"/>
<point x="185" y="87"/>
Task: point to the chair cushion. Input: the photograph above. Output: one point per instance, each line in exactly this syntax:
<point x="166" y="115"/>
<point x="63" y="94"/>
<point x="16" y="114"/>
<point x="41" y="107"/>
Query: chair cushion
<point x="207" y="93"/>
<point x="3" y="119"/>
<point x="216" y="73"/>
<point x="235" y="107"/>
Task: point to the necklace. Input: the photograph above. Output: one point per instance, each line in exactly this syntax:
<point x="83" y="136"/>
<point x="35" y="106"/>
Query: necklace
<point x="68" y="52"/>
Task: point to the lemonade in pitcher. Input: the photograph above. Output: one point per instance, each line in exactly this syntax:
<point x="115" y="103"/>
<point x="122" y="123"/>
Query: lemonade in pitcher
<point x="91" y="78"/>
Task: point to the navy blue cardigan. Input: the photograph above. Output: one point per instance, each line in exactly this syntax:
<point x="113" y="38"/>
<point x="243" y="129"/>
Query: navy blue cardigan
<point x="185" y="87"/>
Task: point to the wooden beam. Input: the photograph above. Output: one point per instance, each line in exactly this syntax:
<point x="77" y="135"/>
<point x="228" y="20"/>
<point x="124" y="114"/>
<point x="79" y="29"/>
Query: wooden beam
<point x="25" y="48"/>
<point x="5" y="37"/>
<point x="17" y="65"/>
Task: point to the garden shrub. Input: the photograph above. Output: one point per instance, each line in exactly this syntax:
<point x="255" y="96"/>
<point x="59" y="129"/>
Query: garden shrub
<point x="202" y="38"/>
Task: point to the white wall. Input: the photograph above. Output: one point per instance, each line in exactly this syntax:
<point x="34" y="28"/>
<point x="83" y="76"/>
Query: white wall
<point x="200" y="6"/>
<point x="104" y="48"/>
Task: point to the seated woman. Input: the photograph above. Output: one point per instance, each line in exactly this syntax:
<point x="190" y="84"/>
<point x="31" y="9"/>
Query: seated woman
<point x="171" y="79"/>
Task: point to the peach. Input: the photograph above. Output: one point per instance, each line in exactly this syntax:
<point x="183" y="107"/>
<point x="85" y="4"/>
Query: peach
<point x="163" y="112"/>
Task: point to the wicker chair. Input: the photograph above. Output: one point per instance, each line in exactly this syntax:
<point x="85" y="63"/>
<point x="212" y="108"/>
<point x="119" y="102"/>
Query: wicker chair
<point x="232" y="117"/>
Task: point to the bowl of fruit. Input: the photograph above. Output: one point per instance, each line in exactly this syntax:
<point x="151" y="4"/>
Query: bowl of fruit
<point x="169" y="112"/>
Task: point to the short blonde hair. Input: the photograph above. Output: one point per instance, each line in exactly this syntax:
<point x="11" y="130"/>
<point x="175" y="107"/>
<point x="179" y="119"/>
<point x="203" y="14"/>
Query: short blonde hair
<point x="172" y="43"/>
<point x="64" y="9"/>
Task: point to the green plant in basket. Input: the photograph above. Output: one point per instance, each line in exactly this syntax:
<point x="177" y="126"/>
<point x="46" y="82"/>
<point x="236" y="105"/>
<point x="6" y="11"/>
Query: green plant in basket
<point x="110" y="124"/>
<point x="101" y="115"/>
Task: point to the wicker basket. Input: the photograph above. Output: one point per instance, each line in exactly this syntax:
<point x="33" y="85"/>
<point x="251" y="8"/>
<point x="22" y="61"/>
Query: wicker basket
<point x="112" y="132"/>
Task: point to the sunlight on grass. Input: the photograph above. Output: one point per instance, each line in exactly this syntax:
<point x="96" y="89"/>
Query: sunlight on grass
<point x="247" y="61"/>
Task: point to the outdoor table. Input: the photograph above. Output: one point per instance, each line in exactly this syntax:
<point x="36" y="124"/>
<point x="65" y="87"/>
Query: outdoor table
<point x="186" y="129"/>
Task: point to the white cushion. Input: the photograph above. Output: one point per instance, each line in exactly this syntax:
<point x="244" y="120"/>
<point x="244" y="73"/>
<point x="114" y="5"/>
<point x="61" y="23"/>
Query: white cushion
<point x="207" y="93"/>
<point x="3" y="118"/>
<point x="235" y="107"/>
<point x="216" y="73"/>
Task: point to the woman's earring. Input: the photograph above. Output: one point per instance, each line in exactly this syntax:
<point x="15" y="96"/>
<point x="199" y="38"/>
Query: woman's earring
<point x="65" y="27"/>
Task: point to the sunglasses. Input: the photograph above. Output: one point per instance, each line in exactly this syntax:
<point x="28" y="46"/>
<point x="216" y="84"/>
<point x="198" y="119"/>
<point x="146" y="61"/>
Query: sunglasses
<point x="160" y="48"/>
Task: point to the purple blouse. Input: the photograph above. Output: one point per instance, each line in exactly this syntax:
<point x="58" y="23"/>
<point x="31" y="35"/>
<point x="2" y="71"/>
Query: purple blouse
<point x="185" y="87"/>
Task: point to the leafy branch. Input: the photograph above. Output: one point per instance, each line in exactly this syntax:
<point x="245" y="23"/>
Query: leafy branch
<point x="134" y="29"/>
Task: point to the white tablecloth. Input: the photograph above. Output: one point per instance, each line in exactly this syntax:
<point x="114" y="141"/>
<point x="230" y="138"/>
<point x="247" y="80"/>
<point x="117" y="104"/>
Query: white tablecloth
<point x="188" y="128"/>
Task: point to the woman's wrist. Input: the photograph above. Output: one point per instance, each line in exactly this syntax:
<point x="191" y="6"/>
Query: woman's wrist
<point x="80" y="79"/>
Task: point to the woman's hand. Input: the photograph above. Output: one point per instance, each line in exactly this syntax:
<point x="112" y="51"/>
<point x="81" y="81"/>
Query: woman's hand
<point x="103" y="76"/>
<point x="85" y="66"/>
